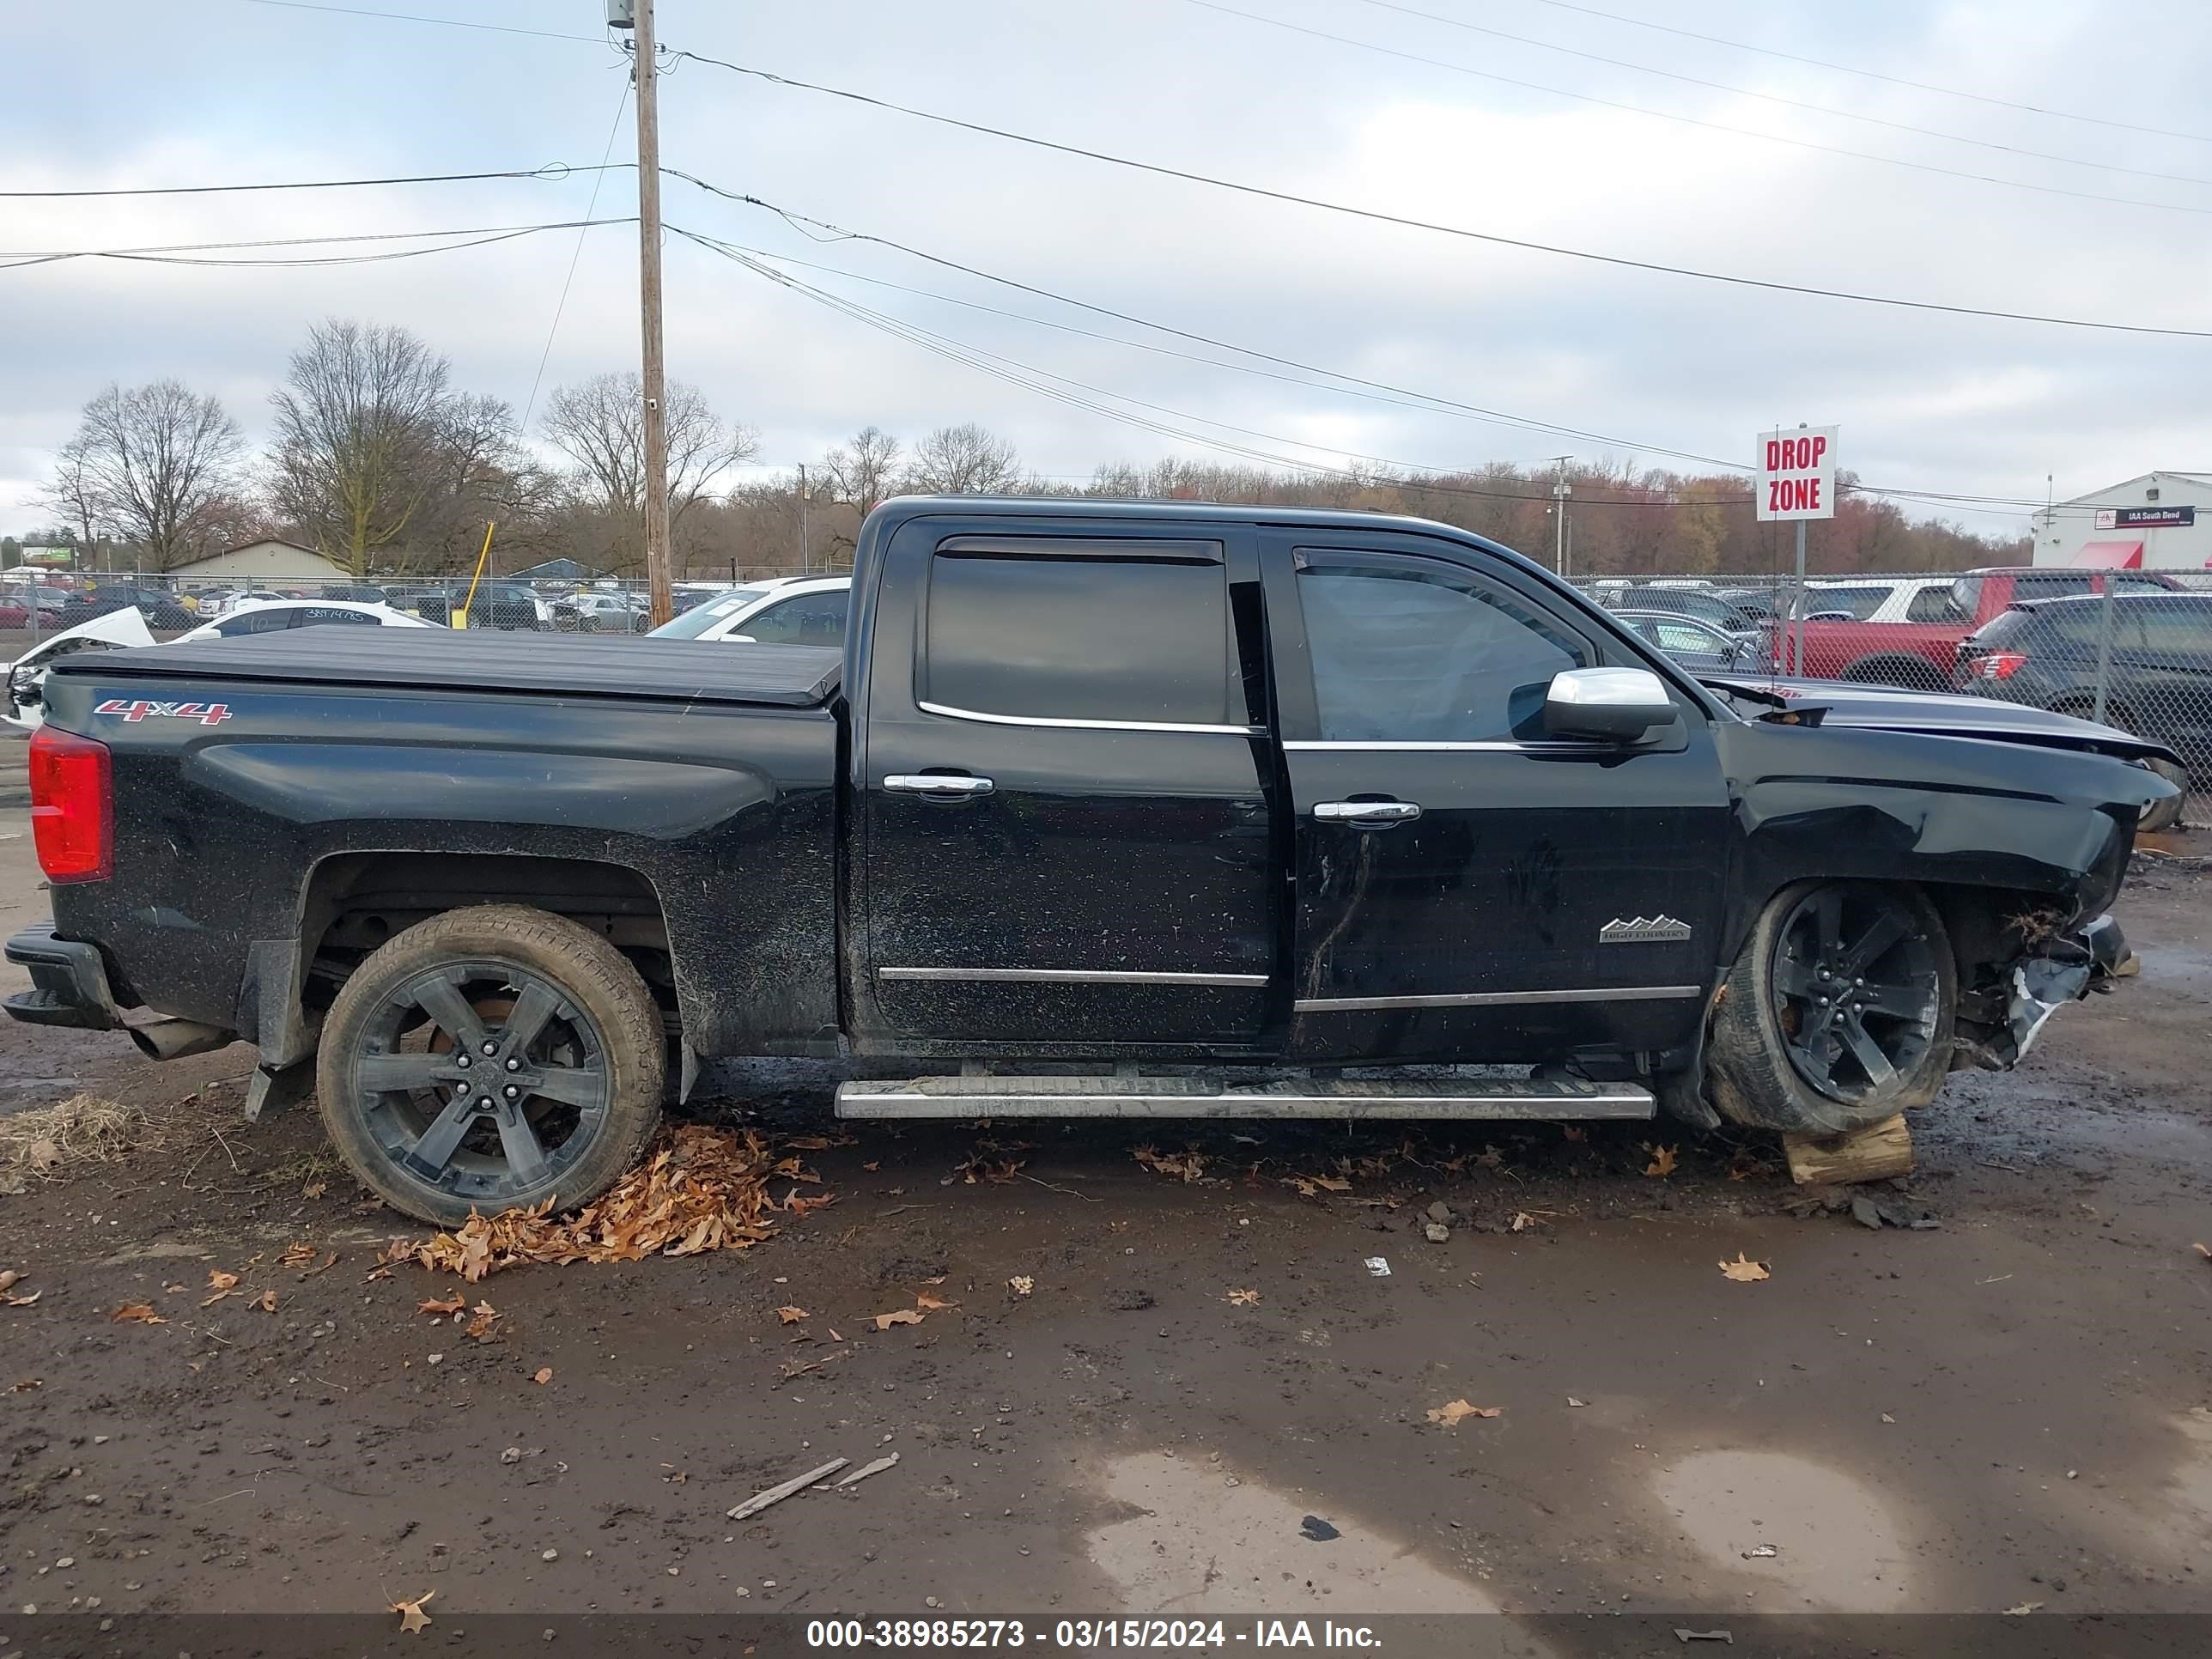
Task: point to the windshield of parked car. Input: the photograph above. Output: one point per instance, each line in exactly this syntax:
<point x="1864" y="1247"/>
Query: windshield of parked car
<point x="1860" y="602"/>
<point x="701" y="619"/>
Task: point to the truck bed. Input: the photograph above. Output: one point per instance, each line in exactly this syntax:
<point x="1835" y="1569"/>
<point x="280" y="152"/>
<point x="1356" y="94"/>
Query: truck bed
<point x="787" y="675"/>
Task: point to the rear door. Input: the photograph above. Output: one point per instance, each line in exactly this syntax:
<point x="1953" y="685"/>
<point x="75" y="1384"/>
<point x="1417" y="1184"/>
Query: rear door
<point x="1066" y="824"/>
<point x="1465" y="887"/>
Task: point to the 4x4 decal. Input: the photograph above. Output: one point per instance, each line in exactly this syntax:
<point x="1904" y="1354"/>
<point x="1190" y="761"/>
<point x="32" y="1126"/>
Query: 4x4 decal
<point x="135" y="709"/>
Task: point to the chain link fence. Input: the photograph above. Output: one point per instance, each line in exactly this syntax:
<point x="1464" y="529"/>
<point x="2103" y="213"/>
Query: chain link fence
<point x="2132" y="648"/>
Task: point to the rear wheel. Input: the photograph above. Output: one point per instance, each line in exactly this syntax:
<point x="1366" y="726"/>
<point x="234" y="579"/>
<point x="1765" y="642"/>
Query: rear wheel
<point x="490" y="1059"/>
<point x="1837" y="1013"/>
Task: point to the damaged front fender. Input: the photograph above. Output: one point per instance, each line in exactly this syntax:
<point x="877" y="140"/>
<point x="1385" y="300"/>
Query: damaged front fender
<point x="2057" y="971"/>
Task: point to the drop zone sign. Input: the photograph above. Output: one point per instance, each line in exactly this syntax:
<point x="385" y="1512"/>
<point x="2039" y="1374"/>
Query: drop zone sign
<point x="1796" y="473"/>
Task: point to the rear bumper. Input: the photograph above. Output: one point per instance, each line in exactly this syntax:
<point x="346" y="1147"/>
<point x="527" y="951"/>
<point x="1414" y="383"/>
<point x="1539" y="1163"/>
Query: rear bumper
<point x="69" y="983"/>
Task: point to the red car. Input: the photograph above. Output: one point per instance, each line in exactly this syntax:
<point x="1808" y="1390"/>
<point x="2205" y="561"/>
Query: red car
<point x="1921" y="655"/>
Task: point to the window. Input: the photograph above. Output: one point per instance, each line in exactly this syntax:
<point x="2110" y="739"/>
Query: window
<point x="2173" y="628"/>
<point x="809" y="619"/>
<point x="1406" y="652"/>
<point x="255" y="621"/>
<point x="1932" y="604"/>
<point x="1681" y="635"/>
<point x="309" y="615"/>
<point x="1123" y="632"/>
<point x="2041" y="585"/>
<point x="1859" y="603"/>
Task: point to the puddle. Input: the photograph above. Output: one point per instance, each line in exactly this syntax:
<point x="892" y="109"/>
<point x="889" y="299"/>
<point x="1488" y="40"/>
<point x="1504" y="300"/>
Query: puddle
<point x="1837" y="1547"/>
<point x="1203" y="1546"/>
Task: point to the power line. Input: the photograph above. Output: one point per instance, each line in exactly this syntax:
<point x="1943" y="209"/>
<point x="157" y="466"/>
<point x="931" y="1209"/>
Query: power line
<point x="1873" y="75"/>
<point x="1698" y="121"/>
<point x="447" y="23"/>
<point x="551" y="171"/>
<point x="1461" y="231"/>
<point x="1774" y="97"/>
<point x="1356" y="385"/>
<point x="1087" y="397"/>
<point x="574" y="255"/>
<point x="171" y="253"/>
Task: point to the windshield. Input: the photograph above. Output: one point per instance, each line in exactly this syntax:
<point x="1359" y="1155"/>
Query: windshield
<point x="1860" y="602"/>
<point x="700" y="618"/>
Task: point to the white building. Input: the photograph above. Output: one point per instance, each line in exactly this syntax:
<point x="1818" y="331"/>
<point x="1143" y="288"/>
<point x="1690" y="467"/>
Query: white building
<point x="262" y="562"/>
<point x="2161" y="520"/>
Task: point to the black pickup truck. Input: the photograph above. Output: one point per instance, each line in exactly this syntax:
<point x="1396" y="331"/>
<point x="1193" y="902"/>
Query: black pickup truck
<point x="1103" y="810"/>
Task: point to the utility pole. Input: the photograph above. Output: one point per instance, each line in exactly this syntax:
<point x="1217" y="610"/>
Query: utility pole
<point x="637" y="15"/>
<point x="1559" y="493"/>
<point x="806" y="557"/>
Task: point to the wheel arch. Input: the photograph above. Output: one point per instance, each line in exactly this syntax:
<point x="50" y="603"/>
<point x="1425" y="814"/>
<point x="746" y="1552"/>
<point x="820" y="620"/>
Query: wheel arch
<point x="352" y="901"/>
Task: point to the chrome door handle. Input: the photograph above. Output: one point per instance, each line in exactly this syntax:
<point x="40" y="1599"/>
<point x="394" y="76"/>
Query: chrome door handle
<point x="1367" y="814"/>
<point x="937" y="783"/>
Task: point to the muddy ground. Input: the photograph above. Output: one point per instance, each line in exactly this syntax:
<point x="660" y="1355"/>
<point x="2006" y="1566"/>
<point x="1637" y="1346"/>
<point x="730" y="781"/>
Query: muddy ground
<point x="2010" y="1410"/>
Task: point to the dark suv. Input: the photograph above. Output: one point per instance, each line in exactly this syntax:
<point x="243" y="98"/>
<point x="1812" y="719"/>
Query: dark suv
<point x="2159" y="683"/>
<point x="163" y="610"/>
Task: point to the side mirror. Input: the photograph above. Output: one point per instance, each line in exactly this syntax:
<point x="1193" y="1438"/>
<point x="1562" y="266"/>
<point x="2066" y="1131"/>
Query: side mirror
<point x="1609" y="705"/>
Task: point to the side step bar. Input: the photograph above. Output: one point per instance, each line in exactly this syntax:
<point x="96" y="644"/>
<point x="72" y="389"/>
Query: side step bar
<point x="1202" y="1096"/>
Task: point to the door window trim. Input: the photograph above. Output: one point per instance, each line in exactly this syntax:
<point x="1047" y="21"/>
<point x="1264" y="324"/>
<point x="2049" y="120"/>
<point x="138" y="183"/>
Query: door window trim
<point x="1067" y="723"/>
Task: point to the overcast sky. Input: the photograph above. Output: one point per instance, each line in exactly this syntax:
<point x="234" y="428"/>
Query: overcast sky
<point x="114" y="93"/>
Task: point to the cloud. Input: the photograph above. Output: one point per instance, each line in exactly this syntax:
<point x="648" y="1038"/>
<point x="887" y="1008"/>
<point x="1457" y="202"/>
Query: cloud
<point x="226" y="91"/>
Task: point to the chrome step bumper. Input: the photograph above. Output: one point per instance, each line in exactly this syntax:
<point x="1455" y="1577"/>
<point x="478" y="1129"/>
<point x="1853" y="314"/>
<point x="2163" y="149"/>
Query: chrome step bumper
<point x="1201" y="1097"/>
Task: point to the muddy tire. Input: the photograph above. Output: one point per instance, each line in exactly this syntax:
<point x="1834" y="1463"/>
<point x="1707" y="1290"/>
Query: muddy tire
<point x="488" y="1059"/>
<point x="1837" y="1013"/>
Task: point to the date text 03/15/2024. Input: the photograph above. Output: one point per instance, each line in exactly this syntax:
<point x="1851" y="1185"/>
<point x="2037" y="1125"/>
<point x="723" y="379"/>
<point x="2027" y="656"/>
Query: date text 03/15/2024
<point x="1088" y="1634"/>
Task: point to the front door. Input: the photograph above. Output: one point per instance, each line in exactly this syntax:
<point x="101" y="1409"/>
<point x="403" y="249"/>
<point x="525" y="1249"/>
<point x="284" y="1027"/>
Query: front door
<point x="1066" y="838"/>
<point x="1466" y="887"/>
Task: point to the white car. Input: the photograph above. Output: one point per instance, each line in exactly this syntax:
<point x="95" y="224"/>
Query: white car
<point x="1883" y="599"/>
<point x="789" y="611"/>
<point x="126" y="629"/>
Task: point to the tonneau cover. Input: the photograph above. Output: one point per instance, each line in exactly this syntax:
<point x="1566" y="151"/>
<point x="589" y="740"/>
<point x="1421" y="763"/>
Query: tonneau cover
<point x="693" y="671"/>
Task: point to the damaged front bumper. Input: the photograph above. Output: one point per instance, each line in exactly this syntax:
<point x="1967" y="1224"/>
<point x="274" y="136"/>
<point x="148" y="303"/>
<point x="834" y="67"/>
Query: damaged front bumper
<point x="2064" y="969"/>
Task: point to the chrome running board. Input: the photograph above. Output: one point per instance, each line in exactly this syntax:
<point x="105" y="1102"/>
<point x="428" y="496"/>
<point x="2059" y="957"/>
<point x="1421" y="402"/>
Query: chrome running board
<point x="1213" y="1096"/>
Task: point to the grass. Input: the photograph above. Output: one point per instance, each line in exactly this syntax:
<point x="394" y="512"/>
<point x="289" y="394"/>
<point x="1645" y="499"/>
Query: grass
<point x="83" y="1129"/>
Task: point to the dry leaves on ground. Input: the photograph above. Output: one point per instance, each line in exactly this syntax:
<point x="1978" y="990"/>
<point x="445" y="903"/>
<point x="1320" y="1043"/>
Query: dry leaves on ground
<point x="929" y="1301"/>
<point x="220" y="1284"/>
<point x="136" y="1313"/>
<point x="484" y="1317"/>
<point x="1524" y="1219"/>
<point x="10" y="1299"/>
<point x="314" y="1189"/>
<point x="792" y="1315"/>
<point x="701" y="1189"/>
<point x="266" y="1301"/>
<point x="1023" y="1284"/>
<point x="297" y="1254"/>
<point x="883" y="1322"/>
<point x="11" y="1277"/>
<point x="1744" y="1270"/>
<point x="1663" y="1160"/>
<point x="1186" y="1165"/>
<point x="542" y="1376"/>
<point x="1312" y="1186"/>
<point x="443" y="1306"/>
<point x="2205" y="1250"/>
<point x="1454" y="1412"/>
<point x="412" y="1619"/>
<point x="1243" y="1299"/>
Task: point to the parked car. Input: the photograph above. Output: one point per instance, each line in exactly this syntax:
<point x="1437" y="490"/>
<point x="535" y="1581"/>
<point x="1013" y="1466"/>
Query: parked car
<point x="1224" y="789"/>
<point x="126" y="629"/>
<point x="2157" y="671"/>
<point x="161" y="609"/>
<point x="1706" y="606"/>
<point x="800" y="610"/>
<point x="606" y="613"/>
<point x="1917" y="650"/>
<point x="1696" y="645"/>
<point x="502" y="605"/>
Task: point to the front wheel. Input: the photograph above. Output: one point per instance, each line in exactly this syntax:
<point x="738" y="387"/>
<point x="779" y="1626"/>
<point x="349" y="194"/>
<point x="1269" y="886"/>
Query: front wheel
<point x="1839" y="1011"/>
<point x="491" y="1059"/>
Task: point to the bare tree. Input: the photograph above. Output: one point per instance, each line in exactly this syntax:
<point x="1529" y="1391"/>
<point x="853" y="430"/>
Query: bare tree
<point x="361" y="421"/>
<point x="597" y="424"/>
<point x="964" y="460"/>
<point x="149" y="465"/>
<point x="863" y="473"/>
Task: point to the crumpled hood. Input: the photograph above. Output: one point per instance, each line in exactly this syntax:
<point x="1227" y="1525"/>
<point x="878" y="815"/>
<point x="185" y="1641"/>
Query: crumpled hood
<point x="1942" y="714"/>
<point x="26" y="675"/>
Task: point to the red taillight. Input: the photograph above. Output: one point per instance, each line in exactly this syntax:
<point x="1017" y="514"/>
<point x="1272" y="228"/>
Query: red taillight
<point x="1996" y="666"/>
<point x="72" y="806"/>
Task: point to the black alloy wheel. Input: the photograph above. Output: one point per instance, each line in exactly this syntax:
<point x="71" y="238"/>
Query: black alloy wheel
<point x="482" y="1079"/>
<point x="1856" y="989"/>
